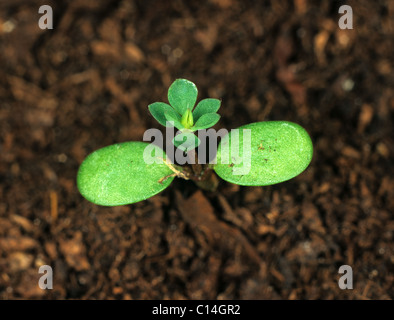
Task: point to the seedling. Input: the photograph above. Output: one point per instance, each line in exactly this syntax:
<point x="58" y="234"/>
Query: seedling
<point x="256" y="154"/>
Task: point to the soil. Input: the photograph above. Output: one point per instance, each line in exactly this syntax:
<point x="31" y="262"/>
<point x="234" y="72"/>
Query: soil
<point x="87" y="83"/>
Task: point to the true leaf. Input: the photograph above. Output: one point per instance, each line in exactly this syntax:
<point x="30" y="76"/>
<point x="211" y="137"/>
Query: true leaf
<point x="182" y="95"/>
<point x="172" y="115"/>
<point x="118" y="175"/>
<point x="206" y="121"/>
<point x="278" y="151"/>
<point x="158" y="109"/>
<point x="206" y="106"/>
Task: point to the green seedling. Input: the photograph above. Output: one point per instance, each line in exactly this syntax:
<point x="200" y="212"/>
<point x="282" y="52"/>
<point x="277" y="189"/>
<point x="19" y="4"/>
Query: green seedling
<point x="256" y="154"/>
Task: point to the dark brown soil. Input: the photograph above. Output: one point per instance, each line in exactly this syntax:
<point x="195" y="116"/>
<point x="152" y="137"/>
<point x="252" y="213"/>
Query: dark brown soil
<point x="87" y="83"/>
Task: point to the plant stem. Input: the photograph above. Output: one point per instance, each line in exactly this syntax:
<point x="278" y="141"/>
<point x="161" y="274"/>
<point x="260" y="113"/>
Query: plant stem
<point x="202" y="174"/>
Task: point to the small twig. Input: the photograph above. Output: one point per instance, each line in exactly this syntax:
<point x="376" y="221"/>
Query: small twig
<point x="177" y="172"/>
<point x="161" y="180"/>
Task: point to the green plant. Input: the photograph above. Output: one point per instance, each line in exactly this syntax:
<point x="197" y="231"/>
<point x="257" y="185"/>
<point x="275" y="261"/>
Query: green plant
<point x="257" y="154"/>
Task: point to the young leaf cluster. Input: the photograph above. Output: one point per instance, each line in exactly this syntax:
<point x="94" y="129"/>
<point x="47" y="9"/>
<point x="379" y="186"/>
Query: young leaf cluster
<point x="182" y="96"/>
